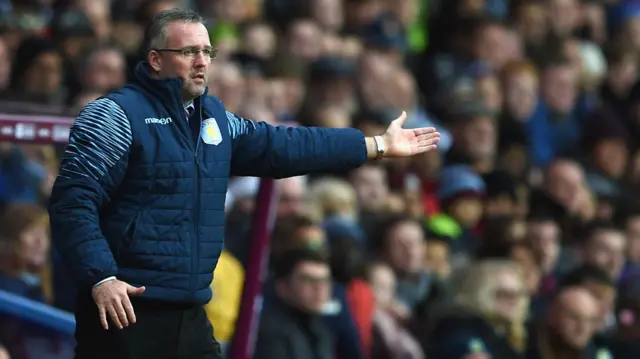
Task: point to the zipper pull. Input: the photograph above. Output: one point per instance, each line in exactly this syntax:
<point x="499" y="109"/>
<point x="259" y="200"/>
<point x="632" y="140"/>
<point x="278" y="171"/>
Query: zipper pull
<point x="196" y="159"/>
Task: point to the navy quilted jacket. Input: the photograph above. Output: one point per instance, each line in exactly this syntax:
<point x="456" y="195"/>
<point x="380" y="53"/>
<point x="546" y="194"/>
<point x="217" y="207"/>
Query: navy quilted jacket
<point x="136" y="198"/>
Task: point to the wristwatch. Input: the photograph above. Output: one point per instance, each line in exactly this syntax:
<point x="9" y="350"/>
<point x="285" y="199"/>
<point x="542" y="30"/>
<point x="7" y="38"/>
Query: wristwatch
<point x="380" y="148"/>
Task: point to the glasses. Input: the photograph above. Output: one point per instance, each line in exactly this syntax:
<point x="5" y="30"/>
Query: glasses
<point x="510" y="294"/>
<point x="192" y="52"/>
<point x="312" y="280"/>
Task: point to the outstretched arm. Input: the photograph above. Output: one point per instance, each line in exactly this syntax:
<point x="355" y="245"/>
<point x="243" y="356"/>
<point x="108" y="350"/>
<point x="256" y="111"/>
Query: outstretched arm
<point x="263" y="150"/>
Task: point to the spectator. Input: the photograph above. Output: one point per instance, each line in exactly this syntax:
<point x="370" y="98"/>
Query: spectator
<point x="474" y="136"/>
<point x="460" y="194"/>
<point x="402" y="247"/>
<point x="37" y="73"/>
<point x="568" y="328"/>
<point x="291" y="325"/>
<point x="602" y="288"/>
<point x="604" y="247"/>
<point x="102" y="69"/>
<point x="489" y="318"/>
<point x="347" y="268"/>
<point x="25" y="265"/>
<point x="337" y="203"/>
<point x="391" y="340"/>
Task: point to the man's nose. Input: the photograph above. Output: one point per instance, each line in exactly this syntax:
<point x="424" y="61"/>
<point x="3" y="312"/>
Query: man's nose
<point x="201" y="60"/>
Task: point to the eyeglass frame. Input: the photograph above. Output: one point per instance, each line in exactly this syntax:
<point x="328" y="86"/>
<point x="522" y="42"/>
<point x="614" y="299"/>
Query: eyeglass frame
<point x="214" y="51"/>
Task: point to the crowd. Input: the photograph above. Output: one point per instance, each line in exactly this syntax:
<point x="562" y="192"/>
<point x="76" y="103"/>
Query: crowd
<point x="518" y="238"/>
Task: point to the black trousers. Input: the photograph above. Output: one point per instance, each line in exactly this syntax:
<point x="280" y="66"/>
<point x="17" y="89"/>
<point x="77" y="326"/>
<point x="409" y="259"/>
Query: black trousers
<point x="162" y="331"/>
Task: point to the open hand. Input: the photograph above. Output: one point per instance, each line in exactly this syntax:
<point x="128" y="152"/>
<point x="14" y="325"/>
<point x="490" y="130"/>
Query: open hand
<point x="113" y="297"/>
<point x="401" y="142"/>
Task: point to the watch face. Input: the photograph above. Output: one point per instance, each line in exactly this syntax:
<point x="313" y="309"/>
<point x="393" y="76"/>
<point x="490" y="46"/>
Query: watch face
<point x="379" y="146"/>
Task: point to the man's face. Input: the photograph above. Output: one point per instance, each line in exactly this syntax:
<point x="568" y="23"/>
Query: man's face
<point x="612" y="155"/>
<point x="490" y="46"/>
<point x="309" y="287"/>
<point x="228" y="84"/>
<point x="605" y="295"/>
<point x="479" y="137"/>
<point x="575" y="321"/>
<point x="192" y="70"/>
<point x="559" y="88"/>
<point x="371" y="187"/>
<point x="564" y="183"/>
<point x="521" y="94"/>
<point x="292" y="191"/>
<point x="406" y="247"/>
<point x="544" y="237"/>
<point x="45" y="74"/>
<point x="106" y="71"/>
<point x="260" y="41"/>
<point x="564" y="16"/>
<point x="606" y="249"/>
<point x="304" y="40"/>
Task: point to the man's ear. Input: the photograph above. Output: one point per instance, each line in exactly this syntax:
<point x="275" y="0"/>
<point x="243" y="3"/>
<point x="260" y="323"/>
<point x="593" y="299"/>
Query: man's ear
<point x="155" y="61"/>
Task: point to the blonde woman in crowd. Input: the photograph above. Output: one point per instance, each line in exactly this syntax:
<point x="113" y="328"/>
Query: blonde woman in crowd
<point x="488" y="321"/>
<point x="337" y="208"/>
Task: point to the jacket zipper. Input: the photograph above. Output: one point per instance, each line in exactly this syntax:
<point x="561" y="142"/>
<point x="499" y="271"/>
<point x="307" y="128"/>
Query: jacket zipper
<point x="195" y="241"/>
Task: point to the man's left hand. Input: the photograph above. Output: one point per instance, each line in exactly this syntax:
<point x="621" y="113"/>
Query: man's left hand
<point x="401" y="142"/>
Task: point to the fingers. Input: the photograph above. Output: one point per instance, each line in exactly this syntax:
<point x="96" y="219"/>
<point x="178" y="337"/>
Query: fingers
<point x="113" y="298"/>
<point x="428" y="139"/>
<point x="122" y="314"/>
<point x="422" y="149"/>
<point x="114" y="315"/>
<point x="424" y="131"/>
<point x="131" y="290"/>
<point x="103" y="317"/>
<point x="128" y="308"/>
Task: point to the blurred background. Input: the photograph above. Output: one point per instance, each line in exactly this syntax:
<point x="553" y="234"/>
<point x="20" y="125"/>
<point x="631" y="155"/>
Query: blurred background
<point x="518" y="238"/>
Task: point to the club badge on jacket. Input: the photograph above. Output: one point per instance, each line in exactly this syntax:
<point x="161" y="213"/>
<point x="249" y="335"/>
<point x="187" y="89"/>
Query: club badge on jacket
<point x="210" y="133"/>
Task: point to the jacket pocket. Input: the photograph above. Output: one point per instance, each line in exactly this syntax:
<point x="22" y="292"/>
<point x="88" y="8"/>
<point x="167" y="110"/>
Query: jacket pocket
<point x="128" y="236"/>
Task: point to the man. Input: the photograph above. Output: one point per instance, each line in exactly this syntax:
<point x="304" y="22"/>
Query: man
<point x="604" y="246"/>
<point x="601" y="286"/>
<point x="138" y="207"/>
<point x="568" y="329"/>
<point x="291" y="326"/>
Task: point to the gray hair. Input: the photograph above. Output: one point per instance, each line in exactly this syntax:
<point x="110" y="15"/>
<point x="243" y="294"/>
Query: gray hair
<point x="157" y="30"/>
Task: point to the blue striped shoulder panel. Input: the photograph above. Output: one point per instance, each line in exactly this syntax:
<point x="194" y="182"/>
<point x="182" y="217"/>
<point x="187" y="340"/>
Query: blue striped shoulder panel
<point x="100" y="136"/>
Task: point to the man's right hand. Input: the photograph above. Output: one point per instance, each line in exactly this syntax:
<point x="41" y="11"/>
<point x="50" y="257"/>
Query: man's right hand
<point x="113" y="297"/>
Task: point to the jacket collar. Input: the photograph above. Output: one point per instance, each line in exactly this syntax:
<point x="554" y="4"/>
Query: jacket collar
<point x="168" y="90"/>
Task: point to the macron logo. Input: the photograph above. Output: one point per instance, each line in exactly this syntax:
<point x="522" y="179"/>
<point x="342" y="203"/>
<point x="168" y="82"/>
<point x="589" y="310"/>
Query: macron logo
<point x="158" y="121"/>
